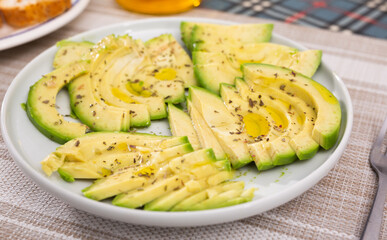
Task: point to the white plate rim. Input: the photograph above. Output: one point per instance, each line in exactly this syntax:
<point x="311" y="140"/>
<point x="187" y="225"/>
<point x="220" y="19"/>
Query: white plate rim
<point x="41" y="29"/>
<point x="178" y="219"/>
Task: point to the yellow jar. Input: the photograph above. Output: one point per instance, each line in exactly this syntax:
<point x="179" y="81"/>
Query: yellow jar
<point x="158" y="7"/>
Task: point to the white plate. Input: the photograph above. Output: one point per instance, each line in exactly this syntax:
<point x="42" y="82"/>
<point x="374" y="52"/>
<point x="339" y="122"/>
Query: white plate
<point x="275" y="187"/>
<point x="10" y="37"/>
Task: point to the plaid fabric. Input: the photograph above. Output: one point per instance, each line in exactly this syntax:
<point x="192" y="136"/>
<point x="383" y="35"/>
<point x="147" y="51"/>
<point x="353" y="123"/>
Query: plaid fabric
<point x="347" y="16"/>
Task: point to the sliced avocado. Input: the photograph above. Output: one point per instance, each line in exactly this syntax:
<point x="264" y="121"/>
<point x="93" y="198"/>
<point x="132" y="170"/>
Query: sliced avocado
<point x="102" y="165"/>
<point x="327" y="107"/>
<point x="94" y="146"/>
<point x="181" y="125"/>
<point x="298" y="111"/>
<point x="102" y="77"/>
<point x="227" y="199"/>
<point x="130" y="79"/>
<point x="162" y="184"/>
<point x="183" y="170"/>
<point x="121" y="180"/>
<point x="105" y="67"/>
<point x="70" y="52"/>
<point x="215" y="37"/>
<point x="113" y="185"/>
<point x="166" y="202"/>
<point x="186" y="33"/>
<point x="143" y="82"/>
<point x="166" y="52"/>
<point x="213" y="68"/>
<point x="41" y="108"/>
<point x="140" y="196"/>
<point x="223" y="125"/>
<point x="257" y="122"/>
<point x="275" y="121"/>
<point x="93" y="111"/>
<point x="208" y="194"/>
<point x="207" y="138"/>
<point x="107" y="163"/>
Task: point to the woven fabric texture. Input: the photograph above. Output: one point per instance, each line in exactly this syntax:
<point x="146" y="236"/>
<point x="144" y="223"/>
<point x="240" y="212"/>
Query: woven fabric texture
<point x="365" y="17"/>
<point x="336" y="208"/>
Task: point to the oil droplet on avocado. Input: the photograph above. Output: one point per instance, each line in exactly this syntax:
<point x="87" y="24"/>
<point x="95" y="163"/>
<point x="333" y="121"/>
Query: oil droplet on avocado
<point x="255" y="125"/>
<point x="166" y="74"/>
<point x="138" y="89"/>
<point x="105" y="172"/>
<point x="146" y="171"/>
<point x="123" y="147"/>
<point x="278" y="117"/>
<point x="122" y="96"/>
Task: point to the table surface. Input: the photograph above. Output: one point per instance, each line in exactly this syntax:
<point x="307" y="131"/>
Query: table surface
<point x="335" y="208"/>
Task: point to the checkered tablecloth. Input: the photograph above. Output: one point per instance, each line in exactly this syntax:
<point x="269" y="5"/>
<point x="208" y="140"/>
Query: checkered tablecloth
<point x="348" y="16"/>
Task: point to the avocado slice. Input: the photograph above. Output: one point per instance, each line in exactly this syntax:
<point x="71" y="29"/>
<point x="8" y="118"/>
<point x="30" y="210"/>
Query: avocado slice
<point x="300" y="112"/>
<point x="328" y="112"/>
<point x="41" y="108"/>
<point x="186" y="33"/>
<point x="224" y="126"/>
<point x="107" y="163"/>
<point x="212" y="68"/>
<point x="206" y="137"/>
<point x="131" y="79"/>
<point x="106" y="65"/>
<point x="266" y="124"/>
<point x="211" y="197"/>
<point x="93" y="111"/>
<point x="166" y="52"/>
<point x="215" y="173"/>
<point x="121" y="181"/>
<point x="98" y="148"/>
<point x="70" y="52"/>
<point x="181" y="125"/>
<point x="215" y="37"/>
<point x="147" y="81"/>
<point x="197" y="165"/>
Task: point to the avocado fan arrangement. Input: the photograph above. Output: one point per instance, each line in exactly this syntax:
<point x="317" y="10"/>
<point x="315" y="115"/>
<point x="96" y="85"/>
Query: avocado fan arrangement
<point x="248" y="100"/>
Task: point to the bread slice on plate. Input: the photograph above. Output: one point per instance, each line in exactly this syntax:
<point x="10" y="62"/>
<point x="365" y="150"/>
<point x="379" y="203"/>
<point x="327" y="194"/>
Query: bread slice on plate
<point x="22" y="13"/>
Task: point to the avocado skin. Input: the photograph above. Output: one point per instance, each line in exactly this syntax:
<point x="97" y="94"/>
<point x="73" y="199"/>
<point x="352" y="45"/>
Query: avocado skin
<point x="49" y="131"/>
<point x="202" y="79"/>
<point x="331" y="139"/>
<point x="308" y="154"/>
<point x="65" y="176"/>
<point x="284" y="159"/>
<point x="44" y="130"/>
<point x="265" y="166"/>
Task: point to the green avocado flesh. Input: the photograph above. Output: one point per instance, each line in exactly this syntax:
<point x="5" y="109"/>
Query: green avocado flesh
<point x="70" y="52"/>
<point x="206" y="137"/>
<point x="222" y="124"/>
<point x="41" y="103"/>
<point x="271" y="116"/>
<point x="257" y="102"/>
<point x="326" y="124"/>
<point x="213" y="68"/>
<point x="115" y="84"/>
<point x="105" y="150"/>
<point x="219" y="50"/>
<point x="149" y="171"/>
<point x="181" y="125"/>
<point x="130" y="79"/>
<point x="215" y="38"/>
